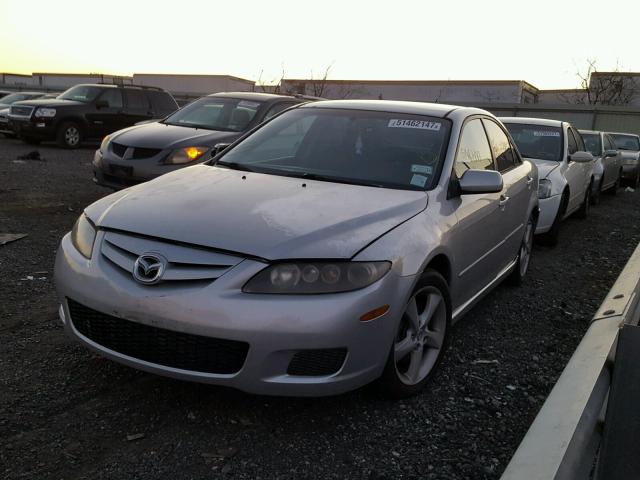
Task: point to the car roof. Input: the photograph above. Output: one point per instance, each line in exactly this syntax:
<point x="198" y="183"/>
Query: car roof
<point x="582" y="130"/>
<point x="392" y="106"/>
<point x="623" y="133"/>
<point x="533" y="121"/>
<point x="257" y="96"/>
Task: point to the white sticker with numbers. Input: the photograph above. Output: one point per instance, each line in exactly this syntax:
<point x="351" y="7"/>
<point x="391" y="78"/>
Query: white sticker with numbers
<point x="546" y="134"/>
<point x="421" y="124"/>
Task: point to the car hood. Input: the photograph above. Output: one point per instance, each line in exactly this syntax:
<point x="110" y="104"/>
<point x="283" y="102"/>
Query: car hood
<point x="49" y="102"/>
<point x="161" y="135"/>
<point x="545" y="167"/>
<point x="266" y="216"/>
<point x="629" y="155"/>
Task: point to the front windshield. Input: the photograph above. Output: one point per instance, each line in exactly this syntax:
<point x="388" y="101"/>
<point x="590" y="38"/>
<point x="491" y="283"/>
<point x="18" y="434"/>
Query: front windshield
<point x="593" y="143"/>
<point x="82" y="93"/>
<point x="626" y="142"/>
<point x="537" y="141"/>
<point x="216" y="113"/>
<point x="13" y="98"/>
<point x="392" y="150"/>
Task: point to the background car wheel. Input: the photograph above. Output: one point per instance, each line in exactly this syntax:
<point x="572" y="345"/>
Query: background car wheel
<point x="69" y="135"/>
<point x="550" y="238"/>
<point x="524" y="254"/>
<point x="583" y="211"/>
<point x="421" y="338"/>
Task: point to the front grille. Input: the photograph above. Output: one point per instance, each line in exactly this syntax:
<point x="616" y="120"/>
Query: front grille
<point x="139" y="152"/>
<point x="21" y="111"/>
<point x="184" y="263"/>
<point x="157" y="345"/>
<point x="319" y="362"/>
<point x="118" y="149"/>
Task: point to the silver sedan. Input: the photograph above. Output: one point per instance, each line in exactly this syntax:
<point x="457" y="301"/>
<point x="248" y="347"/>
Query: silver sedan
<point x="332" y="247"/>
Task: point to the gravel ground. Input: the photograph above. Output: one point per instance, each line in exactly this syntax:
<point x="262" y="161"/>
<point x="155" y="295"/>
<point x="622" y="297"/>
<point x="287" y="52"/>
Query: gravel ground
<point x="66" y="413"/>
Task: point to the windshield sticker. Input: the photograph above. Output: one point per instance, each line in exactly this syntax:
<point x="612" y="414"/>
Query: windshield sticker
<point x="418" y="180"/>
<point x="546" y="134"/>
<point x="421" y="124"/>
<point x="426" y="169"/>
<point x="247" y="103"/>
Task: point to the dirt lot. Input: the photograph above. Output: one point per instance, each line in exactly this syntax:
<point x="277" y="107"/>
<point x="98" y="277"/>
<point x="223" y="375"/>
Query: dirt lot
<point x="67" y="414"/>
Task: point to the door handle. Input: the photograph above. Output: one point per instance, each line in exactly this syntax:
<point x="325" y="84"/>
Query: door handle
<point x="503" y="201"/>
<point x="529" y="181"/>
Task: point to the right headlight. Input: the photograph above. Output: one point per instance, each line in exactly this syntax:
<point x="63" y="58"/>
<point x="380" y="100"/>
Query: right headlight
<point x="83" y="236"/>
<point x="544" y="188"/>
<point x="105" y="143"/>
<point x="316" y="277"/>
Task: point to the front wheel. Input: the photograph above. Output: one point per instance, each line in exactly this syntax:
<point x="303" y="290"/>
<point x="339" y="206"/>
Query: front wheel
<point x="420" y="339"/>
<point x="69" y="135"/>
<point x="524" y="254"/>
<point x="550" y="238"/>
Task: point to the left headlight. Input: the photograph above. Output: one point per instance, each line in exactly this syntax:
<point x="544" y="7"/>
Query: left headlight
<point x="186" y="155"/>
<point x="45" y="112"/>
<point x="83" y="236"/>
<point x="316" y="277"/>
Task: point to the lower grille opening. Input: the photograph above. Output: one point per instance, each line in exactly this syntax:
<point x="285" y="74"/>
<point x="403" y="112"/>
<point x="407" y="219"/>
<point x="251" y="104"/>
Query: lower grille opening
<point x="318" y="362"/>
<point x="158" y="345"/>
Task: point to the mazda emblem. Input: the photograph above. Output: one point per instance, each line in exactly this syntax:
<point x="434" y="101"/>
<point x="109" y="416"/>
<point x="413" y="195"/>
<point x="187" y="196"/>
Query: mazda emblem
<point x="149" y="268"/>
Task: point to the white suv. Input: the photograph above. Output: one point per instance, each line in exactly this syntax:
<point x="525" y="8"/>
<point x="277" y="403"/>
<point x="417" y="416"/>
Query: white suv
<point x="564" y="166"/>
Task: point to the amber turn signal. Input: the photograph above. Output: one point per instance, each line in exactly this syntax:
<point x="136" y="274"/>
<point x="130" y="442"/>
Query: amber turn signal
<point x="375" y="313"/>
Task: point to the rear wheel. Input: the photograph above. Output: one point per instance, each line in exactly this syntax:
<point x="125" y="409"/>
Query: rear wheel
<point x="69" y="135"/>
<point x="420" y="339"/>
<point x="524" y="254"/>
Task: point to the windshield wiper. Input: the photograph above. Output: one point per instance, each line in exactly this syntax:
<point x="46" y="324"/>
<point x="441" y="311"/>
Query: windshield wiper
<point x="235" y="166"/>
<point x="329" y="178"/>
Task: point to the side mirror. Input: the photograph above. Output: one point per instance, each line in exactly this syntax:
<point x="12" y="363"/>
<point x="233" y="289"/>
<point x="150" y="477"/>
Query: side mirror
<point x="480" y="181"/>
<point x="219" y="147"/>
<point x="610" y="153"/>
<point x="102" y="104"/>
<point x="580" y="157"/>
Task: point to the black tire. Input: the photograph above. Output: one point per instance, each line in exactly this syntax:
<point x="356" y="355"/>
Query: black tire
<point x="595" y="197"/>
<point x="583" y="211"/>
<point x="550" y="238"/>
<point x="391" y="383"/>
<point x="69" y="135"/>
<point x="31" y="140"/>
<point x="524" y="254"/>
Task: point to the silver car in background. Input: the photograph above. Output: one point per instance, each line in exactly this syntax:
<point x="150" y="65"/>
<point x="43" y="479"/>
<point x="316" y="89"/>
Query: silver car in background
<point x="331" y="247"/>
<point x="607" y="169"/>
<point x="629" y="146"/>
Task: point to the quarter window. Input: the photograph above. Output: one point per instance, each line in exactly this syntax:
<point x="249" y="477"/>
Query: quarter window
<point x="500" y="146"/>
<point x="473" y="149"/>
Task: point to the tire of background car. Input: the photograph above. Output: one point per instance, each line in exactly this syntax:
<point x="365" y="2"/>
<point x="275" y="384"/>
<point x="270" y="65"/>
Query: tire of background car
<point x="550" y="238"/>
<point x="583" y="211"/>
<point x="595" y="197"/>
<point x="524" y="254"/>
<point x="421" y="338"/>
<point x="69" y="135"/>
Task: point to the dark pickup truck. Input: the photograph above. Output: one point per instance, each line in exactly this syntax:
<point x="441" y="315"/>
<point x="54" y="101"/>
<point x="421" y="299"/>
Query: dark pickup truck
<point x="88" y="111"/>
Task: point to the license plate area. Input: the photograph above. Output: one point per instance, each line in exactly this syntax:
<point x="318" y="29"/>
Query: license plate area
<point x="121" y="170"/>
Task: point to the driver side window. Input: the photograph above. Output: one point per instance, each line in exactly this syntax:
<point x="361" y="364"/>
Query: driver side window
<point x="473" y="149"/>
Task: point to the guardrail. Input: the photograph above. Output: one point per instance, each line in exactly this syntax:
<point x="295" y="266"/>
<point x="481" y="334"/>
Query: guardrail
<point x="563" y="440"/>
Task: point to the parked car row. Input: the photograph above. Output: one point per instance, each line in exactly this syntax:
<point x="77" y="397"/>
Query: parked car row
<point x="5" y="104"/>
<point x="310" y="247"/>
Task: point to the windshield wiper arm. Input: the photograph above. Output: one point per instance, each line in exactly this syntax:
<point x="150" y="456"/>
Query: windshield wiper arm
<point x="235" y="166"/>
<point x="329" y="178"/>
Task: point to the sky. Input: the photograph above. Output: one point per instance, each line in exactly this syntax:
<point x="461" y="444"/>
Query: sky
<point x="543" y="42"/>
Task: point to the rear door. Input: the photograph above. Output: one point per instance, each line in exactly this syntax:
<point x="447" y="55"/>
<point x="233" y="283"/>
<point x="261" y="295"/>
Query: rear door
<point x="137" y="106"/>
<point x="518" y="183"/>
<point x="478" y="233"/>
<point x="110" y="118"/>
<point x="611" y="164"/>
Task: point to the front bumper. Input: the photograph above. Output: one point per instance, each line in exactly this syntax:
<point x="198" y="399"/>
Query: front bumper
<point x="548" y="212"/>
<point x="41" y="129"/>
<point x="276" y="327"/>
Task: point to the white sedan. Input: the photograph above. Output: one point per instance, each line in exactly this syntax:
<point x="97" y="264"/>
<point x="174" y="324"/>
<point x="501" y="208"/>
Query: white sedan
<point x="564" y="165"/>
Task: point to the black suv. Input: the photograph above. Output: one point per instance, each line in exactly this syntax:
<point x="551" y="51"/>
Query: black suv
<point x="88" y="111"/>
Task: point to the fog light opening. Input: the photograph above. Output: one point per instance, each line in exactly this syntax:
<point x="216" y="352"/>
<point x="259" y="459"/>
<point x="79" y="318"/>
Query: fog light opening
<point x="375" y="313"/>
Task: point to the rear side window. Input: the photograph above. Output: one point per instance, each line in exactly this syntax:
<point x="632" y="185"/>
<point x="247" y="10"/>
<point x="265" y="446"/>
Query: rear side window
<point x="113" y="97"/>
<point x="473" y="149"/>
<point x="136" y="99"/>
<point x="572" y="144"/>
<point x="162" y="102"/>
<point x="500" y="146"/>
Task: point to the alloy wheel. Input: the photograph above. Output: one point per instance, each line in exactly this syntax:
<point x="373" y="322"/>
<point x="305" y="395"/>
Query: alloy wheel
<point x="72" y="136"/>
<point x="420" y="336"/>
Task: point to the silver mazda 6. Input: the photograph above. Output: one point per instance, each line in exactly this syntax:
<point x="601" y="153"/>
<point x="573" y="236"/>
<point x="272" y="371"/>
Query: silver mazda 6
<point x="330" y="247"/>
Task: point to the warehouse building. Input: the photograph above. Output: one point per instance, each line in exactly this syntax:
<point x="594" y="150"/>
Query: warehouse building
<point x="194" y="84"/>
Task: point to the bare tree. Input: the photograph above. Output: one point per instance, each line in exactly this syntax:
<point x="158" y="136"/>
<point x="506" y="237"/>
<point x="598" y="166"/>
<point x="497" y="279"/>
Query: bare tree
<point x="319" y="85"/>
<point x="272" y="86"/>
<point x="607" y="88"/>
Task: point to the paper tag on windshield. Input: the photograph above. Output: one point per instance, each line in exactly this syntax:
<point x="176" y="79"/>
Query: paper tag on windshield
<point x="247" y="103"/>
<point x="417" y="168"/>
<point x="546" y="134"/>
<point x="421" y="124"/>
<point x="418" y="180"/>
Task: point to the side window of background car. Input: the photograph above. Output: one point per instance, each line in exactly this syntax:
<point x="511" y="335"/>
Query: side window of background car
<point x="277" y="108"/>
<point x="500" y="146"/>
<point x="113" y="97"/>
<point x="572" y="145"/>
<point x="473" y="149"/>
<point x="136" y="100"/>
<point x="608" y="143"/>
<point x="579" y="140"/>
